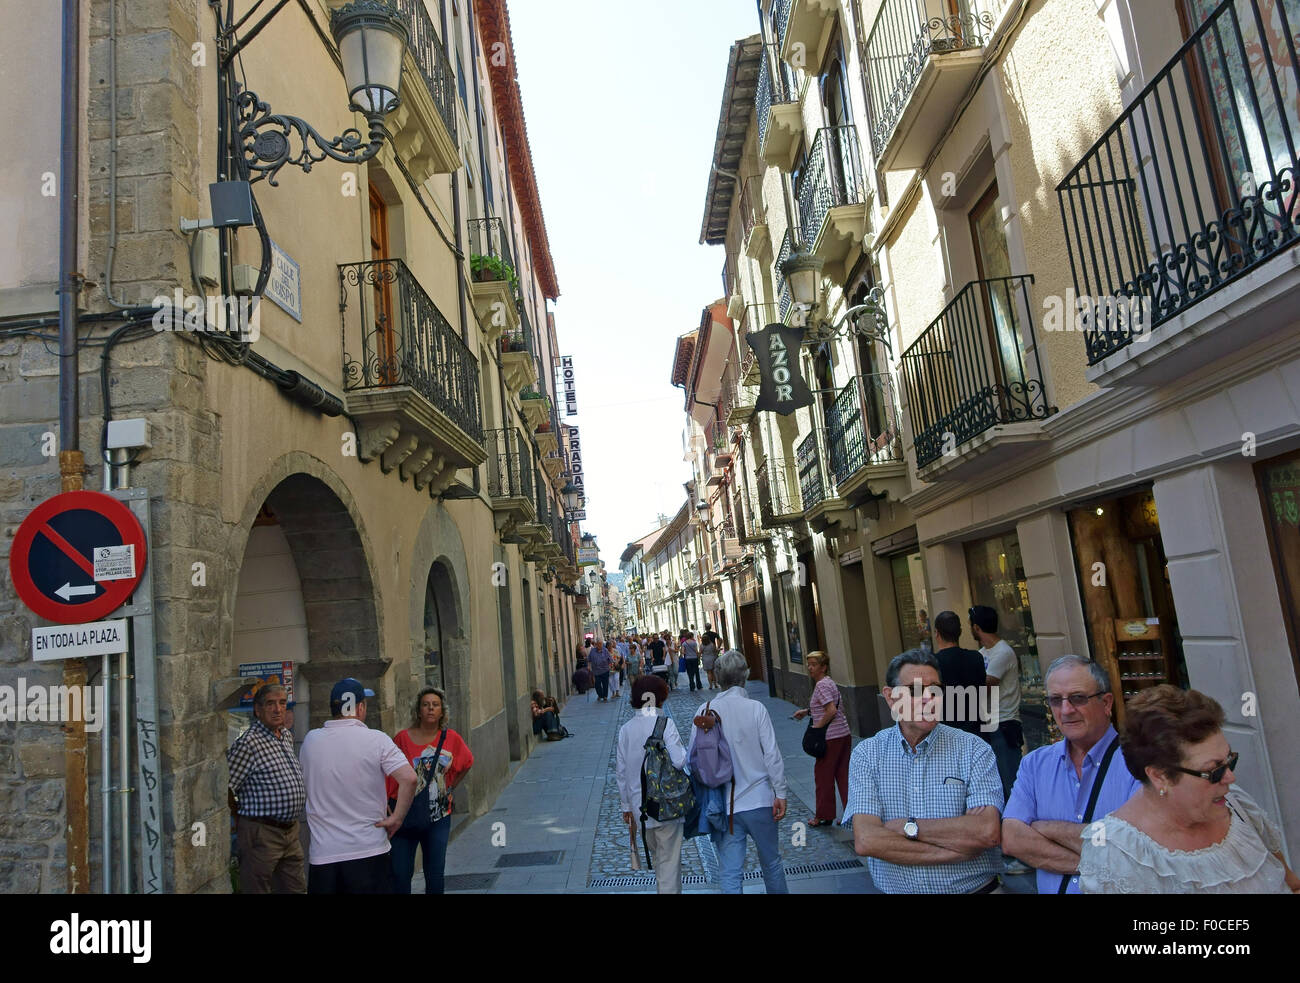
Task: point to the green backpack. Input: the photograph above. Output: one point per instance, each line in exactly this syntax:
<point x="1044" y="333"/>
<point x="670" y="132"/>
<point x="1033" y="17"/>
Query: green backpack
<point x="666" y="791"/>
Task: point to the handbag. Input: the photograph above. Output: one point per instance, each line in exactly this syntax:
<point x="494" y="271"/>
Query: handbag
<point x="420" y="816"/>
<point x="814" y="738"/>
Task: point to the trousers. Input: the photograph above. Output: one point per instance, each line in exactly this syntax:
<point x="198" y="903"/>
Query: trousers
<point x="602" y="685"/>
<point x="665" y="844"/>
<point x="433" y="846"/>
<point x="693" y="674"/>
<point x="830" y="771"/>
<point x="759" y="825"/>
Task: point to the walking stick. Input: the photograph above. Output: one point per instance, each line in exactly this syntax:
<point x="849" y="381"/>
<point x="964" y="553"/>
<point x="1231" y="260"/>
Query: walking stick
<point x="636" y="858"/>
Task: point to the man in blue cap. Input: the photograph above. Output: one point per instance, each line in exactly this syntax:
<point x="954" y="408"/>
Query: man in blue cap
<point x="344" y="764"/>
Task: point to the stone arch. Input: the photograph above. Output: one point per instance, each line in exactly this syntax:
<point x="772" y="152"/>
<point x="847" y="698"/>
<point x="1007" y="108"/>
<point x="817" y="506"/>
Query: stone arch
<point x="333" y="556"/>
<point x="440" y="575"/>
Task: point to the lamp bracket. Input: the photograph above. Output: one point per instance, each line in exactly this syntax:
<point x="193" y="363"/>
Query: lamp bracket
<point x="267" y="140"/>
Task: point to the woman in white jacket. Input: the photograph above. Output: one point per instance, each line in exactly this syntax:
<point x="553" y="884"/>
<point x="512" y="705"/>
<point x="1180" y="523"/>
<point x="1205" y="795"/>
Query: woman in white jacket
<point x="663" y="838"/>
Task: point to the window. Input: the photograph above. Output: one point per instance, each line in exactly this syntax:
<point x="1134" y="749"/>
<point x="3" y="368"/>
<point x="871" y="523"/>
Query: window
<point x="1279" y="490"/>
<point x="386" y="339"/>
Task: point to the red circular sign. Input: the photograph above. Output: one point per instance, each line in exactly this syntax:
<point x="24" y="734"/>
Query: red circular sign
<point x="52" y="561"/>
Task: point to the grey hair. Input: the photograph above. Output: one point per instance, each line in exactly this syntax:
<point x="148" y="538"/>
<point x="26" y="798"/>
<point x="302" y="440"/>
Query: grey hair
<point x="1099" y="675"/>
<point x="912" y="657"/>
<point x="731" y="669"/>
<point x="259" y="698"/>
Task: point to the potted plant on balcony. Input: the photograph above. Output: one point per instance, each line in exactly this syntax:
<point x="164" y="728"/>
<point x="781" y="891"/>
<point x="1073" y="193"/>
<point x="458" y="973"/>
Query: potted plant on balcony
<point x="529" y="393"/>
<point x="485" y="268"/>
<point x="543" y="427"/>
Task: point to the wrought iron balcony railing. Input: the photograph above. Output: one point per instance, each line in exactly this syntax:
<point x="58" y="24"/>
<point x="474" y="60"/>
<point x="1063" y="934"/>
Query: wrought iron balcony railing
<point x="833" y="176"/>
<point x="966" y="372"/>
<point x="789" y="244"/>
<point x="778" y="493"/>
<point x="1196" y="183"/>
<point x="814" y="488"/>
<point x="781" y="8"/>
<point x="426" y="49"/>
<point x="488" y="239"/>
<point x="863" y="426"/>
<point x="903" y="38"/>
<point x="405" y="341"/>
<point x="510" y="464"/>
<point x="775" y="86"/>
<point x="543" y="502"/>
<point x="751" y="204"/>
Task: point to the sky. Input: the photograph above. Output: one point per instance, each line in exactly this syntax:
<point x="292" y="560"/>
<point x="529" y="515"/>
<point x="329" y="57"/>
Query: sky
<point x="622" y="109"/>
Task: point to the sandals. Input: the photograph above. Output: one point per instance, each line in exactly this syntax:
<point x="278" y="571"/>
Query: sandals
<point x="821" y="822"/>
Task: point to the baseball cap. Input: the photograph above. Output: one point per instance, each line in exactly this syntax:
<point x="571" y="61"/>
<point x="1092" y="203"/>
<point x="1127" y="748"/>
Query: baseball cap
<point x="348" y="686"/>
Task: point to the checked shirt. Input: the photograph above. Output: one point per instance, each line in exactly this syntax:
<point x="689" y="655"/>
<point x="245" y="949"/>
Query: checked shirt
<point x="949" y="773"/>
<point x="264" y="774"/>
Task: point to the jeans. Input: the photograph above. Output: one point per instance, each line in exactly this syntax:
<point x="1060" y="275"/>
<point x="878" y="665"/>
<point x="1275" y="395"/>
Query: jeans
<point x="433" y="845"/>
<point x="1008" y="757"/>
<point x="546" y="723"/>
<point x="758" y="824"/>
<point x="602" y="685"/>
<point x="366" y="875"/>
<point x="693" y="674"/>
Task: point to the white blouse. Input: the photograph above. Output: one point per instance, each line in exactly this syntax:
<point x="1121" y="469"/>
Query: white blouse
<point x="1131" y="862"/>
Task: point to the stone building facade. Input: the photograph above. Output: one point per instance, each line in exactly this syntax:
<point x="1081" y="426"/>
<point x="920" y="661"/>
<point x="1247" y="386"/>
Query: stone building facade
<point x="407" y="527"/>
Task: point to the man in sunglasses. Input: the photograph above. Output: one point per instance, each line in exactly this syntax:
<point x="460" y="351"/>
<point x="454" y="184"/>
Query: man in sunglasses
<point x="1062" y="788"/>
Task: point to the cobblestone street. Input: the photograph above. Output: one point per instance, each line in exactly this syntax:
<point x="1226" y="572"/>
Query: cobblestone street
<point x="560" y="827"/>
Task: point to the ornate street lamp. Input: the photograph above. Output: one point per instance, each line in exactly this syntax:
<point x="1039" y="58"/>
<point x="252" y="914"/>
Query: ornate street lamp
<point x="803" y="271"/>
<point x="371" y="36"/>
<point x="570" y="494"/>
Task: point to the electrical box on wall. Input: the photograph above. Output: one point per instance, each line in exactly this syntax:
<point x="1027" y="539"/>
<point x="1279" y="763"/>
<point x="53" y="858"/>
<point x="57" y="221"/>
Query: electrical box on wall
<point x="207" y="258"/>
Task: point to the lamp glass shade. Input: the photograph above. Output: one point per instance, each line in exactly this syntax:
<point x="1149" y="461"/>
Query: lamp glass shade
<point x="803" y="284"/>
<point x="372" y="38"/>
<point x="570" y="495"/>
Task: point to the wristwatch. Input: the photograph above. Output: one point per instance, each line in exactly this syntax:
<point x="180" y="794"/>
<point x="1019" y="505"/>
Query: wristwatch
<point x="911" y="830"/>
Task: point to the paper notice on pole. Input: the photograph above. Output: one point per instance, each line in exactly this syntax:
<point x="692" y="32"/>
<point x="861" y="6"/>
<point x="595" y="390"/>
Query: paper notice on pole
<point x="115" y="562"/>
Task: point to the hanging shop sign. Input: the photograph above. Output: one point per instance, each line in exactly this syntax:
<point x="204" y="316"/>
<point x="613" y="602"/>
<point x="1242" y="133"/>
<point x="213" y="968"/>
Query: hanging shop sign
<point x="782" y="388"/>
<point x="588" y="557"/>
<point x="565" y="384"/>
<point x="77" y="557"/>
<point x="574" y="451"/>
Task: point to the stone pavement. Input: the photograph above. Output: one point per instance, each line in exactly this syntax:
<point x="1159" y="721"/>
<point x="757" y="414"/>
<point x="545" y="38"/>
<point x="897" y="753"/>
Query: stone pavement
<point x="557" y="826"/>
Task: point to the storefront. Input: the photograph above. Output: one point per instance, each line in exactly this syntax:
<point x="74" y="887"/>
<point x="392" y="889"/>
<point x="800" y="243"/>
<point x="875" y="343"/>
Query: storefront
<point x="997" y="579"/>
<point x="1279" y="490"/>
<point x="750" y="640"/>
<point x="1127" y="601"/>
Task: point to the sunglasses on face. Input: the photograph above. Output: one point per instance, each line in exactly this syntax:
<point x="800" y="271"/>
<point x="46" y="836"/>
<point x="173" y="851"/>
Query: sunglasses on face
<point x="1215" y="776"/>
<point x="1075" y="699"/>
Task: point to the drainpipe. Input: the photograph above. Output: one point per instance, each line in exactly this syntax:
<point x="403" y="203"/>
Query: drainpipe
<point x="71" y="462"/>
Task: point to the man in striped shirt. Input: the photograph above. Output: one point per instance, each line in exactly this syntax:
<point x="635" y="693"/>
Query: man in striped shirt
<point x="267" y="793"/>
<point x="925" y="798"/>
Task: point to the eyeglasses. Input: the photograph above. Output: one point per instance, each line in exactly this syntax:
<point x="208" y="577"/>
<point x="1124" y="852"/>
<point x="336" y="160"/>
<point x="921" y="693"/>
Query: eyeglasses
<point x="1216" y="776"/>
<point x="1076" y="699"/>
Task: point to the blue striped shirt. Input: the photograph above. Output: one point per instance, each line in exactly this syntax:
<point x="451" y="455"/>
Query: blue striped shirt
<point x="949" y="773"/>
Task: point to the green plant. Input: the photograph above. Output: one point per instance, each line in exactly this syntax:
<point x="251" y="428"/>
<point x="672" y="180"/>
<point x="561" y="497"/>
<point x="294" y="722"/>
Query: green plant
<point x="529" y="393"/>
<point x="493" y="268"/>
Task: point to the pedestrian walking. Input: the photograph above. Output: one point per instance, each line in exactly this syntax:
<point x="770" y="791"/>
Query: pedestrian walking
<point x="1003" y="671"/>
<point x="832" y="768"/>
<point x="664" y="839"/>
<point x="440" y="759"/>
<point x="962" y="673"/>
<point x="634" y="656"/>
<point x="344" y="765"/>
<point x="616" y="664"/>
<point x="759" y="795"/>
<point x="691" y="660"/>
<point x="657" y="652"/>
<point x="267" y="796"/>
<point x="599" y="661"/>
<point x="710" y="645"/>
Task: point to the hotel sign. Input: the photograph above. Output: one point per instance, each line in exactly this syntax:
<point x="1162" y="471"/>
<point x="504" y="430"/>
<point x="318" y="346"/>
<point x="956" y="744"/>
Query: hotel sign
<point x="574" y="450"/>
<point x="782" y="388"/>
<point x="565" y="384"/>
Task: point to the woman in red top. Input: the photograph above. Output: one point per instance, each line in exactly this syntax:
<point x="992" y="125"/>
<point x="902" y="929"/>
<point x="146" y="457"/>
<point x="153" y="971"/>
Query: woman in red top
<point x="440" y="759"/>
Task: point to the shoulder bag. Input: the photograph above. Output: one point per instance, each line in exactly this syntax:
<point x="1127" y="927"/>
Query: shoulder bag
<point x="814" y="738"/>
<point x="1092" y="800"/>
<point x="420" y="816"/>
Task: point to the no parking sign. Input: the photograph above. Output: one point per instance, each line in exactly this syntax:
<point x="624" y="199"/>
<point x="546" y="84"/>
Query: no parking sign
<point x="77" y="557"/>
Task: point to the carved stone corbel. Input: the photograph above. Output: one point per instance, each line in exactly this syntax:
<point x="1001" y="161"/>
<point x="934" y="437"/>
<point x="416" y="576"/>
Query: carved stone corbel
<point x="399" y="451"/>
<point x="375" y="438"/>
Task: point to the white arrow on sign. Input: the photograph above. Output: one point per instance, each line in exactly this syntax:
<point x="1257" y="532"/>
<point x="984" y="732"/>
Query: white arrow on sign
<point x="68" y="591"/>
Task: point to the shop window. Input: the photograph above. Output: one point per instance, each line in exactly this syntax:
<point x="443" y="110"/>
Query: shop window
<point x="790" y="613"/>
<point x="910" y="602"/>
<point x="997" y="579"/>
<point x="1279" y="489"/>
<point x="1127" y="600"/>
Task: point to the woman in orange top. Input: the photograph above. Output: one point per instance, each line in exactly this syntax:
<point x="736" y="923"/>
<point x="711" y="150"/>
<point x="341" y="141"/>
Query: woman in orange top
<point x="440" y="759"/>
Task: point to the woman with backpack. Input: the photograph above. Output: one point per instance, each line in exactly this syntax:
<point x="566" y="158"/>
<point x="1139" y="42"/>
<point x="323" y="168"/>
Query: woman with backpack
<point x="756" y="793"/>
<point x="663" y="837"/>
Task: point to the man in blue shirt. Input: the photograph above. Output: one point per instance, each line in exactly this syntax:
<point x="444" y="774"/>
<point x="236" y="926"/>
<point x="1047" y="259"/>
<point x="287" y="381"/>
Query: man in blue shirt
<point x="598" y="661"/>
<point x="1048" y="812"/>
<point x="925" y="798"/>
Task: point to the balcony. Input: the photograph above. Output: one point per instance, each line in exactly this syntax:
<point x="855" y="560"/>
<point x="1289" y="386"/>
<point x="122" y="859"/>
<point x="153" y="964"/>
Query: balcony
<point x="833" y="196"/>
<point x="518" y="361"/>
<point x="970" y="392"/>
<point x="535" y="408"/>
<point x="494" y="284"/>
<point x="776" y="102"/>
<point x="411" y="383"/>
<point x="921" y="58"/>
<point x="823" y="506"/>
<point x="864" y="437"/>
<point x="423" y="127"/>
<point x="785" y="296"/>
<point x="510" y="479"/>
<point x="1190" y="190"/>
<point x="806" y="28"/>
<point x="538" y="529"/>
<point x="755" y="242"/>
<point x="548" y="435"/>
<point x="779" y="502"/>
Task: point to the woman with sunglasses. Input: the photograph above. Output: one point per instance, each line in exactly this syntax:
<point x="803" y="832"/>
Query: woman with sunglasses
<point x="1187" y="830"/>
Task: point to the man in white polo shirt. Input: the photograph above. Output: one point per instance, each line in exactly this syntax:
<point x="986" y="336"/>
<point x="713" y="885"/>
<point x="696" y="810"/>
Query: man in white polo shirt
<point x="344" y="764"/>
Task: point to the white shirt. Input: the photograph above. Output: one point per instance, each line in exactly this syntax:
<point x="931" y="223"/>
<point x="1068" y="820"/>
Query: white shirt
<point x="1000" y="662"/>
<point x="344" y="764"/>
<point x="631" y="755"/>
<point x="755" y="758"/>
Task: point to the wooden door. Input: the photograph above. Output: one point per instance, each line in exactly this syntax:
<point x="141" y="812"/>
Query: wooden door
<point x="997" y="300"/>
<point x="386" y="357"/>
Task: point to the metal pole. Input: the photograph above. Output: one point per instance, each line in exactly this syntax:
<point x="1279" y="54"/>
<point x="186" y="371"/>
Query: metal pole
<point x="106" y="771"/>
<point x="124" y="766"/>
<point x="71" y="463"/>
